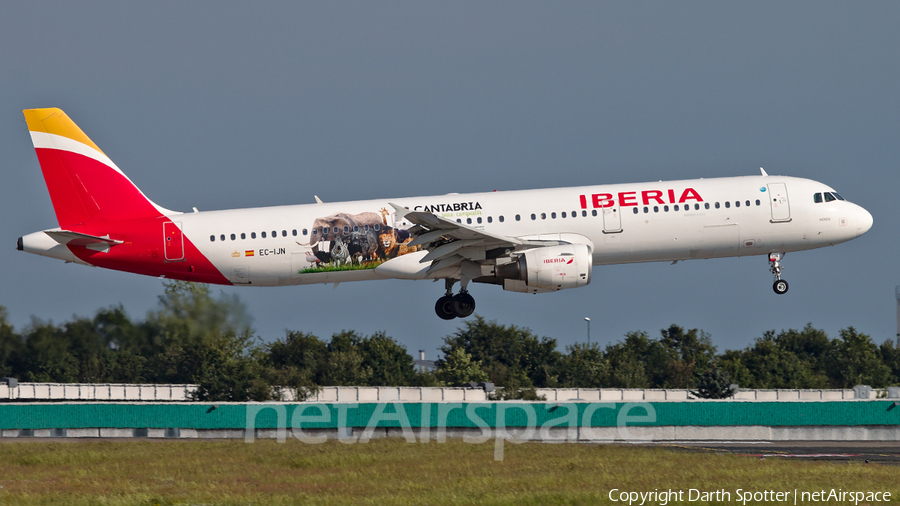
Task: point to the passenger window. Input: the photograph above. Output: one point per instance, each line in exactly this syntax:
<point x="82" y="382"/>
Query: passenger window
<point x="274" y="234"/>
<point x="222" y="237"/>
<point x="676" y="207"/>
<point x="490" y="220"/>
<point x="501" y="218"/>
<point x="478" y="219"/>
<point x="518" y="218"/>
<point x="666" y="208"/>
<point x="584" y="214"/>
<point x="717" y="205"/>
<point x="212" y="238"/>
<point x="646" y="209"/>
<point x="829" y="197"/>
<point x="594" y="212"/>
<point x="346" y="230"/>
<point x="757" y="202"/>
<point x="747" y="203"/>
<point x="635" y="210"/>
<point x="737" y="203"/>
<point x="356" y="228"/>
<point x="243" y="235"/>
<point x="817" y="198"/>
<point x="377" y="227"/>
<point x="533" y="217"/>
<point x="459" y="220"/>
<point x="727" y="205"/>
<point x="294" y="232"/>
<point x="706" y="205"/>
<point x="253" y="234"/>
<point x="263" y="235"/>
<point x="553" y="215"/>
<point x="655" y="209"/>
<point x="543" y="216"/>
<point x="304" y="231"/>
<point x="574" y="214"/>
<point x="233" y="237"/>
<point x="469" y="221"/>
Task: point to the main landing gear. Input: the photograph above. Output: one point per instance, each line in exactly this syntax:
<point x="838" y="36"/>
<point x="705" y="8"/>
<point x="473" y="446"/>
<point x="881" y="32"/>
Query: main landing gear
<point x="452" y="306"/>
<point x="780" y="286"/>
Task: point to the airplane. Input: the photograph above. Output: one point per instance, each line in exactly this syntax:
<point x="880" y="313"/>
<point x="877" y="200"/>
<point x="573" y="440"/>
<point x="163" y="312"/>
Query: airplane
<point x="529" y="241"/>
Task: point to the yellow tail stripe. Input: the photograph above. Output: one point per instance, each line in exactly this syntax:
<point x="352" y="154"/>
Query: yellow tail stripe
<point x="54" y="121"/>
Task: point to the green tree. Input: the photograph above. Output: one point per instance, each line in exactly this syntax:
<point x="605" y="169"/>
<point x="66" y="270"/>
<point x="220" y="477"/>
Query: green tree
<point x="457" y="368"/>
<point x="890" y="356"/>
<point x="195" y="338"/>
<point x="627" y="361"/>
<point x="584" y="366"/>
<point x="856" y="360"/>
<point x="507" y="352"/>
<point x="11" y="345"/>
<point x="773" y="366"/>
<point x="714" y="383"/>
<point x="298" y="361"/>
<point x="684" y="357"/>
<point x="388" y="360"/>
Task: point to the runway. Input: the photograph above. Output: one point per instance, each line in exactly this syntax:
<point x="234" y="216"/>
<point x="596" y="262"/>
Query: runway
<point x="886" y="452"/>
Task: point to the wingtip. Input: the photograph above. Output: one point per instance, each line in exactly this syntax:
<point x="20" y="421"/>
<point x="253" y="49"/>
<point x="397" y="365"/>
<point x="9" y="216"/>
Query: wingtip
<point x="763" y="171"/>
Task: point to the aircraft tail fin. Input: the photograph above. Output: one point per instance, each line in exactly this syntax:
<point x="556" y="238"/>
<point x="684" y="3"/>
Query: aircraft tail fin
<point x="84" y="184"/>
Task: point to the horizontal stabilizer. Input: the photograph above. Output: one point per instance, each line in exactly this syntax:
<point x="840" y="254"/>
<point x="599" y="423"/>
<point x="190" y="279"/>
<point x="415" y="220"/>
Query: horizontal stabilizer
<point x="77" y="239"/>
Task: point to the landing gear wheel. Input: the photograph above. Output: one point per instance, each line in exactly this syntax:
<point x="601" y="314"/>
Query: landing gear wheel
<point x="444" y="308"/>
<point x="463" y="305"/>
<point x="780" y="287"/>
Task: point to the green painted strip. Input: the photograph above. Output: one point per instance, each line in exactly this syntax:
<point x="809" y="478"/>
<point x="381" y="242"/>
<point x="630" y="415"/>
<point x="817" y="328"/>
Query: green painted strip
<point x="473" y="415"/>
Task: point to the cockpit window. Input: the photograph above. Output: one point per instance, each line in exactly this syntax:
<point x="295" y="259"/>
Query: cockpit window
<point x="817" y="198"/>
<point x="829" y="197"/>
<point x="837" y="195"/>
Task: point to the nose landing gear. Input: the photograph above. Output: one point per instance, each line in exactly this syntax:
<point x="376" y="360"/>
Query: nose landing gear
<point x="452" y="306"/>
<point x="780" y="286"/>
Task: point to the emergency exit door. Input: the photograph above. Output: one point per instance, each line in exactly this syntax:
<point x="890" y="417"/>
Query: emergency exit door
<point x="612" y="221"/>
<point x="174" y="241"/>
<point x="778" y="199"/>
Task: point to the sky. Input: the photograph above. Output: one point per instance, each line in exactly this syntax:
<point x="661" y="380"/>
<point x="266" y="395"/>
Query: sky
<point x="220" y="105"/>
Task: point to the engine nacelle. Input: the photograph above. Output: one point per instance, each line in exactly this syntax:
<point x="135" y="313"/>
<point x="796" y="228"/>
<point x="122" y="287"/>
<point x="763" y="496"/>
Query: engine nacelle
<point x="548" y="269"/>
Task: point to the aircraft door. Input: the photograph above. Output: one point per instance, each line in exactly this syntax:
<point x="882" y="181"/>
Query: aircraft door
<point x="778" y="199"/>
<point x="612" y="220"/>
<point x="174" y="241"/>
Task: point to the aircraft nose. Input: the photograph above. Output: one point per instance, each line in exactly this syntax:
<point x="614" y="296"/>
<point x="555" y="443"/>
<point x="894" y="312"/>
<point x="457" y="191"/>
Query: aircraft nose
<point x="864" y="221"/>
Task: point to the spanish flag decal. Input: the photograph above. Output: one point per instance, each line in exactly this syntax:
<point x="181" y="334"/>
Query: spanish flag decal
<point x="248" y="253"/>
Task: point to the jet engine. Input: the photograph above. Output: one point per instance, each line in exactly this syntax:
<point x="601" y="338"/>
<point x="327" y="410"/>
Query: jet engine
<point x="547" y="269"/>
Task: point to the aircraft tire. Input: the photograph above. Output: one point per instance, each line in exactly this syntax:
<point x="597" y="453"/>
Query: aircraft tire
<point x="780" y="287"/>
<point x="463" y="305"/>
<point x="444" y="308"/>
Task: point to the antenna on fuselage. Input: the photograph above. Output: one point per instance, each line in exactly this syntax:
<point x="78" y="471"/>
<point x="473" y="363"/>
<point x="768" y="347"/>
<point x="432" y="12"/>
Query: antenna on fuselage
<point x="764" y="173"/>
<point x="318" y="200"/>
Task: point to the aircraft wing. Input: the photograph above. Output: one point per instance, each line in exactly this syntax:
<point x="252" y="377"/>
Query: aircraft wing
<point x="449" y="243"/>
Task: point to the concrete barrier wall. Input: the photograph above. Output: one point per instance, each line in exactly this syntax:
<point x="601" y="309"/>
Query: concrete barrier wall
<point x="96" y="392"/>
<point x="176" y="393"/>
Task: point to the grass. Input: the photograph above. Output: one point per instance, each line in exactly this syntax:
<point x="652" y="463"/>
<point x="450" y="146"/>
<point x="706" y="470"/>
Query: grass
<point x="371" y="264"/>
<point x="391" y="472"/>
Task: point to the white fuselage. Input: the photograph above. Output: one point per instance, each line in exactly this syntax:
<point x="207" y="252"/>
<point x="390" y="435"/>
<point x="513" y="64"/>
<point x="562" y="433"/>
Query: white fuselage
<point x="625" y="223"/>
